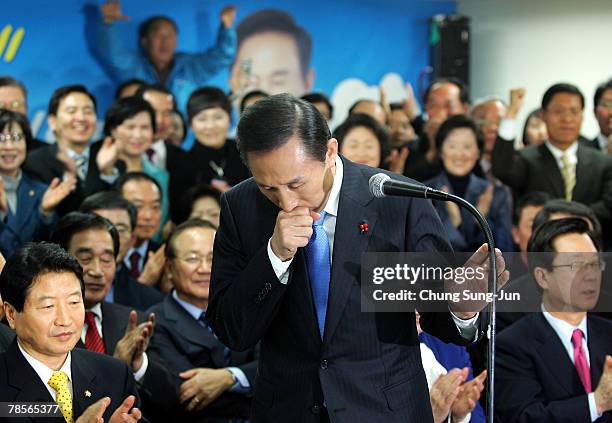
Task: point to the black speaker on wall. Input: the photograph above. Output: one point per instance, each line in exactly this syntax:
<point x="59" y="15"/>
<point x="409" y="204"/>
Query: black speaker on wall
<point x="449" y="41"/>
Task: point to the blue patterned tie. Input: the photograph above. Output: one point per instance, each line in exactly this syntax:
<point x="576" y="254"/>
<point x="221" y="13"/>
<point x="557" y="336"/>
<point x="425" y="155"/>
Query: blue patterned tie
<point x="319" y="269"/>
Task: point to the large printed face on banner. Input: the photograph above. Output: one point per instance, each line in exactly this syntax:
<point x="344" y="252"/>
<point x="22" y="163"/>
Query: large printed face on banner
<point x="273" y="55"/>
<point x="344" y="49"/>
<point x="270" y="62"/>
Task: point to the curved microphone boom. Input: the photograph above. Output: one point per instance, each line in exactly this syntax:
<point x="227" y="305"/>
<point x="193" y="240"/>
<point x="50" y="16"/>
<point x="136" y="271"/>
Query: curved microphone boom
<point x="381" y="185"/>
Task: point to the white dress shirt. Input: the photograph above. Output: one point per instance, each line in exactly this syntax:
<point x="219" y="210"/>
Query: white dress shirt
<point x="571" y="153"/>
<point x="467" y="328"/>
<point x="564" y="331"/>
<point x="45" y="373"/>
<point x="97" y="311"/>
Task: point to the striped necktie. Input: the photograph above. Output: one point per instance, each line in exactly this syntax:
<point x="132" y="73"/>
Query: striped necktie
<point x="93" y="340"/>
<point x="569" y="176"/>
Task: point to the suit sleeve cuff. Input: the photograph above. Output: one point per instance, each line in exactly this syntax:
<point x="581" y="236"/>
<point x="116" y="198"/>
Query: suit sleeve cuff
<point x="281" y="268"/>
<point x="139" y="374"/>
<point x="468" y="329"/>
<point x="507" y="129"/>
<point x="466" y="419"/>
<point x="593" y="407"/>
<point x="242" y="385"/>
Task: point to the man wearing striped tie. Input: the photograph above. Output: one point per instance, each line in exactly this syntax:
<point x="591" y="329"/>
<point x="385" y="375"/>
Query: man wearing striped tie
<point x="556" y="366"/>
<point x="562" y="166"/>
<point x="42" y="288"/>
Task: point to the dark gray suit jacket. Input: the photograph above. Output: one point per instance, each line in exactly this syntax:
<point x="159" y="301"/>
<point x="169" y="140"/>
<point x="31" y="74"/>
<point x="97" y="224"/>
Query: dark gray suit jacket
<point x="158" y="387"/>
<point x="534" y="168"/>
<point x="535" y="378"/>
<point x="368" y="366"/>
<point x="184" y="344"/>
<point x="100" y="375"/>
<point x="6" y="336"/>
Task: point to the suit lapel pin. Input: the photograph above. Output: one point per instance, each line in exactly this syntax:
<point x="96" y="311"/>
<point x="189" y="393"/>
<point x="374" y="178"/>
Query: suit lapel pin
<point x="363" y="227"/>
<point x="87" y="394"/>
<point x="31" y="193"/>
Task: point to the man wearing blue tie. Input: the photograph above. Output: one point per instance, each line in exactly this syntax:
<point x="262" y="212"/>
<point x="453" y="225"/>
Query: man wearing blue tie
<point x="286" y="273"/>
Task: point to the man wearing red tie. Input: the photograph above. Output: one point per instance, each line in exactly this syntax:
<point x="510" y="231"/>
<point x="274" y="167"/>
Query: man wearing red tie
<point x="555" y="366"/>
<point x="110" y="328"/>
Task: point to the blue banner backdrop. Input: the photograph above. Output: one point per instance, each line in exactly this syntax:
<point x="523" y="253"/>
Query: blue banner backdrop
<point x="357" y="45"/>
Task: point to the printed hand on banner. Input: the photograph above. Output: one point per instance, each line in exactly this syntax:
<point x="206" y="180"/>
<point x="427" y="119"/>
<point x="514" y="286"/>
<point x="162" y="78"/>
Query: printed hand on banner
<point x="228" y="16"/>
<point x="111" y="12"/>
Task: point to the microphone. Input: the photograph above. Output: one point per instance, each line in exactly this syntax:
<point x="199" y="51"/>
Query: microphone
<point x="381" y="185"/>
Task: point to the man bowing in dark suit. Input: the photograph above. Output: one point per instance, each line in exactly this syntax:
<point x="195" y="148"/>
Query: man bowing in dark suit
<point x="42" y="288"/>
<point x="555" y="366"/>
<point x="322" y="359"/>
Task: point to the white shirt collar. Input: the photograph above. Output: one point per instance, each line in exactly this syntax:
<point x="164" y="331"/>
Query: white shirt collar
<point x="97" y="311"/>
<point x="571" y="152"/>
<point x="602" y="142"/>
<point x="159" y="159"/>
<point x="565" y="330"/>
<point x="74" y="155"/>
<point x="194" y="311"/>
<point x="44" y="372"/>
<point x="331" y="207"/>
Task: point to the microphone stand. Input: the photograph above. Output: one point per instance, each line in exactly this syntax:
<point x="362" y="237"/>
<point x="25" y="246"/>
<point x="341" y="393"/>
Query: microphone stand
<point x="492" y="289"/>
<point x="433" y="194"/>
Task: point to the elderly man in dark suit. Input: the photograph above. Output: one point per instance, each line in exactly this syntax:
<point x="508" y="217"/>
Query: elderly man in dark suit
<point x="42" y="287"/>
<point x="322" y="358"/>
<point x="217" y="381"/>
<point x="111" y="328"/>
<point x="123" y="215"/>
<point x="555" y="366"/>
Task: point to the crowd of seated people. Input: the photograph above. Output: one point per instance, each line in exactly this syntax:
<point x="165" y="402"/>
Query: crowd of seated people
<point x="109" y="242"/>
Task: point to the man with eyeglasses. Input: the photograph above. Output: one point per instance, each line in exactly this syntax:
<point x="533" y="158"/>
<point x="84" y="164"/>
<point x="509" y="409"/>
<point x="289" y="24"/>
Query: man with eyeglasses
<point x="217" y="381"/>
<point x="555" y="365"/>
<point x="561" y="166"/>
<point x="13" y="96"/>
